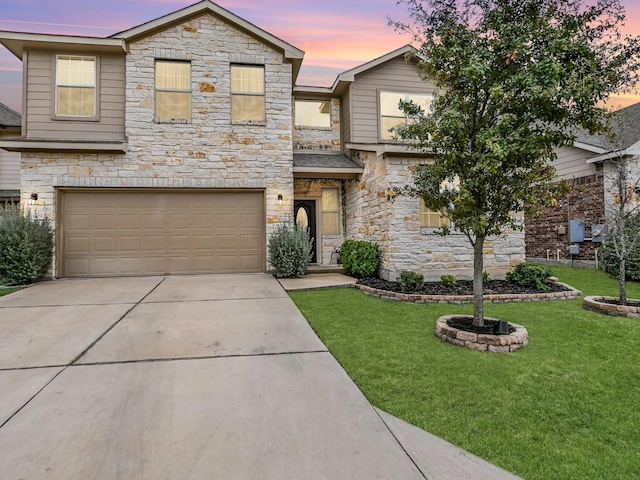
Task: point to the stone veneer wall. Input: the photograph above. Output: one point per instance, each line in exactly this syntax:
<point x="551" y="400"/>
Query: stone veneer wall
<point x="209" y="151"/>
<point x="584" y="201"/>
<point x="312" y="189"/>
<point x="323" y="139"/>
<point x="395" y="226"/>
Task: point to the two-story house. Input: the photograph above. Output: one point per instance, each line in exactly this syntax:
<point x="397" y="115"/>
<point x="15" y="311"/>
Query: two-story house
<point x="10" y="124"/>
<point x="177" y="145"/>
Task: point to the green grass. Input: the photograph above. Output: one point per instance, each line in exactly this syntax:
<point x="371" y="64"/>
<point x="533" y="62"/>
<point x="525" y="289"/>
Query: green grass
<point x="7" y="290"/>
<point x="567" y="406"/>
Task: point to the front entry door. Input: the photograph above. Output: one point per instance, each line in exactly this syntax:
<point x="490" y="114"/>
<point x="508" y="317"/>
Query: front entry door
<point x="304" y="212"/>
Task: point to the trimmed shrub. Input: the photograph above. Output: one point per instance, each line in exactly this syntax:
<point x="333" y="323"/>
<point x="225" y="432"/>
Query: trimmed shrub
<point x="360" y="258"/>
<point x="290" y="250"/>
<point x="411" y="281"/>
<point x="531" y="275"/>
<point x="449" y="280"/>
<point x="26" y="247"/>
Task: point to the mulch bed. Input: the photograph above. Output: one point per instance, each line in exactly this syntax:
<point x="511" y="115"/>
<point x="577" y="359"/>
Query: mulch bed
<point x="463" y="287"/>
<point x="615" y="301"/>
<point x="466" y="323"/>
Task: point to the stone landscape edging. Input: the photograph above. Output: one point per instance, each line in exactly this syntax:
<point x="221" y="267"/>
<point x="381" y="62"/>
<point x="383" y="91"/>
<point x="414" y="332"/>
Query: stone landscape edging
<point x="482" y="342"/>
<point x="595" y="304"/>
<point x="570" y="294"/>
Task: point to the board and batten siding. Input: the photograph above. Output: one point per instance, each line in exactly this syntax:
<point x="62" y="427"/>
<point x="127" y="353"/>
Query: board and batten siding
<point x="396" y="75"/>
<point x="572" y="163"/>
<point x="40" y="101"/>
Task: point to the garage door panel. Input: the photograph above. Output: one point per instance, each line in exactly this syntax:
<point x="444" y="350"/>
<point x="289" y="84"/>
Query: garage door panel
<point x="150" y="232"/>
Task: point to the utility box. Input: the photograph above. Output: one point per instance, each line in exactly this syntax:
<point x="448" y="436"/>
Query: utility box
<point x="574" y="249"/>
<point x="576" y="231"/>
<point x="598" y="232"/>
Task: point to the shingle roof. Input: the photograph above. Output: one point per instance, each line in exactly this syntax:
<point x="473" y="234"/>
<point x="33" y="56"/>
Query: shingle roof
<point x="626" y="127"/>
<point x="323" y="160"/>
<point x="9" y="118"/>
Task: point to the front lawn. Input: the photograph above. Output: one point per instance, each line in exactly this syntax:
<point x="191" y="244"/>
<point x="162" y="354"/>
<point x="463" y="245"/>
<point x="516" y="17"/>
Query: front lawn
<point x="564" y="407"/>
<point x="8" y="290"/>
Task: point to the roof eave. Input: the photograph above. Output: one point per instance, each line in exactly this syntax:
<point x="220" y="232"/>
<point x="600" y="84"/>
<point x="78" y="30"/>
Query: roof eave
<point x="18" y="42"/>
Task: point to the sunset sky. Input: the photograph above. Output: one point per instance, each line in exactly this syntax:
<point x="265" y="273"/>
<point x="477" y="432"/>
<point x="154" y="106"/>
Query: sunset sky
<point x="335" y="35"/>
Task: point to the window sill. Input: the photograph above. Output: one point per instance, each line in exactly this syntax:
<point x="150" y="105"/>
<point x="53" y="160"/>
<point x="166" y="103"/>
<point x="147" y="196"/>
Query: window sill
<point x="436" y="231"/>
<point x="307" y="127"/>
<point x="70" y="118"/>
<point x="184" y="121"/>
<point x="256" y="123"/>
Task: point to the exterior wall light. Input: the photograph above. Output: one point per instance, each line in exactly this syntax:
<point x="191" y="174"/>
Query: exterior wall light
<point x="33" y="199"/>
<point x="280" y="200"/>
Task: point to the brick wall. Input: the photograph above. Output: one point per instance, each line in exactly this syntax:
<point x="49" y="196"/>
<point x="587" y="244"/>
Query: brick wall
<point x="585" y="201"/>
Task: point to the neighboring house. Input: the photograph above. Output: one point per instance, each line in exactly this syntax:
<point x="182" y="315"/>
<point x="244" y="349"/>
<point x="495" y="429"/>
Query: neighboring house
<point x="10" y="123"/>
<point x="578" y="217"/>
<point x="178" y="145"/>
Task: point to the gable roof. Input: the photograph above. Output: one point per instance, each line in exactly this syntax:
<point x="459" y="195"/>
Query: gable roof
<point x="17" y="42"/>
<point x="9" y="118"/>
<point x="349" y="76"/>
<point x="290" y="52"/>
<point x="625" y="125"/>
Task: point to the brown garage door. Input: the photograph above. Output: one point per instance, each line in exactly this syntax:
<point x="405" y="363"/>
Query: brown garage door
<point x="111" y="232"/>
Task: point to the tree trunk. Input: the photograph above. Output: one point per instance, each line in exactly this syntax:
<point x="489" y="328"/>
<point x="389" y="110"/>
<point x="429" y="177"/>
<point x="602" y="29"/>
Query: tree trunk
<point x="622" y="287"/>
<point x="478" y="267"/>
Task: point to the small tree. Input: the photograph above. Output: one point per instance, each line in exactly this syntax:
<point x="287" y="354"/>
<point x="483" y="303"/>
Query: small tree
<point x="623" y="219"/>
<point x="514" y="78"/>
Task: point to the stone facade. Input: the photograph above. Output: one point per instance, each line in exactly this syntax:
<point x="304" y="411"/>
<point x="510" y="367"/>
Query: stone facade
<point x="585" y="201"/>
<point x="395" y="226"/>
<point x="209" y="151"/>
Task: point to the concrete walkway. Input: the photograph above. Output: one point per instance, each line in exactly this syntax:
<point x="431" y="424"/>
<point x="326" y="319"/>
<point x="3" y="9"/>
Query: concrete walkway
<point x="192" y="378"/>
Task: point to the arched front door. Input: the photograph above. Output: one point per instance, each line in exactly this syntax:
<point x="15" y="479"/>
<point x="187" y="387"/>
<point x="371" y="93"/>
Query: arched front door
<point x="304" y="213"/>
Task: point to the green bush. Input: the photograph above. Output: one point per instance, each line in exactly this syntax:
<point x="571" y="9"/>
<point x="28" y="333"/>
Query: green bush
<point x="26" y="247"/>
<point x="360" y="258"/>
<point x="449" y="280"/>
<point x="612" y="263"/>
<point x="486" y="277"/>
<point x="411" y="281"/>
<point x="290" y="250"/>
<point x="531" y="275"/>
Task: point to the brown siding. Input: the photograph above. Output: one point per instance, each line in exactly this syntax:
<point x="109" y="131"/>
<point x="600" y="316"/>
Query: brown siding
<point x="396" y="76"/>
<point x="40" y="102"/>
<point x="585" y="201"/>
<point x="9" y="163"/>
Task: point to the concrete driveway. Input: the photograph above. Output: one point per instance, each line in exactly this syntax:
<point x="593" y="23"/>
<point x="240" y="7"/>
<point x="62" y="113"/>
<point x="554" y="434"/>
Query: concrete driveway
<point x="192" y="378"/>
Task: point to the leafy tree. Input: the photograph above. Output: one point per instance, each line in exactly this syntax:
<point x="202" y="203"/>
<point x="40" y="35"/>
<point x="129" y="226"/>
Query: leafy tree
<point x="514" y="78"/>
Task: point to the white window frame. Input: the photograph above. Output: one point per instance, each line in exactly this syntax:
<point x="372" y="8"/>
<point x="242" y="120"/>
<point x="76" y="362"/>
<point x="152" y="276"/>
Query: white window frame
<point x="56" y="85"/>
<point x="189" y="91"/>
<point x="253" y="94"/>
<point x="429" y="214"/>
<point x="384" y="135"/>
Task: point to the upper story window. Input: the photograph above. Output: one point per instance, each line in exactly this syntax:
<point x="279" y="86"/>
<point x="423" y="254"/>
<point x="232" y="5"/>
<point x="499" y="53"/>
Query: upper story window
<point x="313" y="114"/>
<point x="247" y="93"/>
<point x="392" y="116"/>
<point x="173" y="90"/>
<point x="75" y="86"/>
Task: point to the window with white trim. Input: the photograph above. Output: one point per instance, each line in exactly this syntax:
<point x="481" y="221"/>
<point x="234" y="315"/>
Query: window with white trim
<point x="431" y="218"/>
<point x="75" y="86"/>
<point x="330" y="212"/>
<point x="313" y="113"/>
<point x="247" y="93"/>
<point x="392" y="116"/>
<point x="173" y="90"/>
